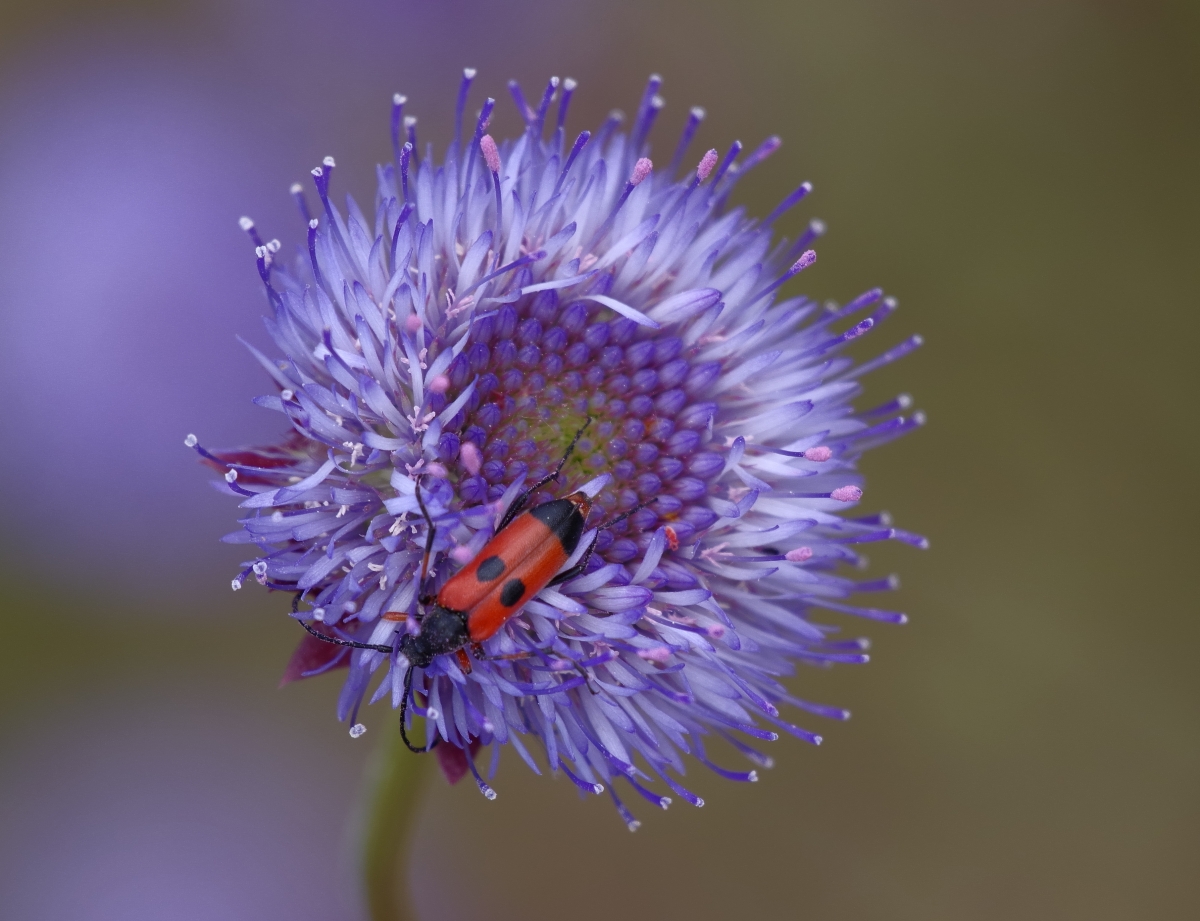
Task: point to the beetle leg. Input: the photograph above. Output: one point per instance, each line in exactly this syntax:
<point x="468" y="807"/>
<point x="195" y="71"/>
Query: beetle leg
<point x="408" y="680"/>
<point x="464" y="661"/>
<point x="519" y="503"/>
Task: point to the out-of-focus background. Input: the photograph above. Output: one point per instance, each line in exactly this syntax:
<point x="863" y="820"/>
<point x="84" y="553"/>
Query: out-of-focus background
<point x="1022" y="176"/>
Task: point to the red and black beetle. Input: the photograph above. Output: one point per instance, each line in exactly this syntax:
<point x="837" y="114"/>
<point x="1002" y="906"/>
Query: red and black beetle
<point x="523" y="557"/>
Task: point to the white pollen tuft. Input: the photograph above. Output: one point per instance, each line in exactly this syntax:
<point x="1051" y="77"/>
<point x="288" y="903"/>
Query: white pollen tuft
<point x="699" y="802"/>
<point x="328" y="161"/>
<point x="277" y="516"/>
<point x="597" y="788"/>
<point x="357" y="730"/>
<point x="260" y="568"/>
<point x="698" y="113"/>
<point x="286" y="394"/>
<point x="398" y="99"/>
<point x="753" y="777"/>
<point x="409" y="121"/>
<point x="664" y="802"/>
<point x="487" y="791"/>
<point x="236" y="585"/>
<point x="633" y="824"/>
<point x="191" y="441"/>
<point x="657" y="102"/>
<point x="231" y="476"/>
<point x="817" y="226"/>
<point x="469" y="72"/>
<point x="296" y="188"/>
<point x="432" y="713"/>
<point x="643" y="168"/>
<point x="490" y="153"/>
<point x="318" y="614"/>
<point x="569" y="84"/>
<point x="317" y="171"/>
<point x="245" y="223"/>
<point x="918" y="418"/>
<point x="313" y="224"/>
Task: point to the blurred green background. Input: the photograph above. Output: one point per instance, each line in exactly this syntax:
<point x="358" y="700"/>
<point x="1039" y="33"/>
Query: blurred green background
<point x="1022" y="176"/>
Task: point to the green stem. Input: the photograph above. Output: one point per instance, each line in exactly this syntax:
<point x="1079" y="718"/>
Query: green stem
<point x="388" y="812"/>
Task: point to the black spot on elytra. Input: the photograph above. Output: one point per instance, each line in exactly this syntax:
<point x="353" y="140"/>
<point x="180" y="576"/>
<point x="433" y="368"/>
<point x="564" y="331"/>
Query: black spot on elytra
<point x="512" y="592"/>
<point x="489" y="569"/>
<point x="562" y="518"/>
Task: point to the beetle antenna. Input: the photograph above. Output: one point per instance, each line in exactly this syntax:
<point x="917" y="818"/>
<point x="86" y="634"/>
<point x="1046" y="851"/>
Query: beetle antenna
<point x="408" y="681"/>
<point x="429" y="536"/>
<point x="519" y="503"/>
<point x="378" y="647"/>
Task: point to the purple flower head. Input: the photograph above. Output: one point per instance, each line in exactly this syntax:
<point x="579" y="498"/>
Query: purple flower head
<point x="447" y="347"/>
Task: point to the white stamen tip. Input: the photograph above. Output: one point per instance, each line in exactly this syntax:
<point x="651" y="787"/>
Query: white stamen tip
<point x="487" y="791"/>
<point x="753" y="777"/>
<point x="245" y="223"/>
<point x="490" y="153"/>
<point x="318" y="172"/>
<point x="318" y="614"/>
<point x="296" y="188"/>
<point x="236" y="585"/>
<point x="699" y="802"/>
<point x="399" y="99"/>
<point x="698" y="113"/>
<point x="328" y="161"/>
<point x="664" y="802"/>
<point x="230" y="476"/>
<point x="817" y="226"/>
<point x="432" y="713"/>
<point x="469" y="72"/>
<point x="313" y="224"/>
<point x="657" y="102"/>
<point x="191" y="441"/>
<point x="260" y="568"/>
<point x="707" y="162"/>
<point x="597" y="788"/>
<point x="643" y="168"/>
<point x="633" y="825"/>
<point x="846" y="494"/>
<point x="799" y="555"/>
<point x="569" y="84"/>
<point x="286" y="394"/>
<point x="357" y="730"/>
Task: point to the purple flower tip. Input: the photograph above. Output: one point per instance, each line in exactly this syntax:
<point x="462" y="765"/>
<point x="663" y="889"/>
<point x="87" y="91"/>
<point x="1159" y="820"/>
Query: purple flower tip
<point x="490" y="153"/>
<point x="807" y="258"/>
<point x="641" y="170"/>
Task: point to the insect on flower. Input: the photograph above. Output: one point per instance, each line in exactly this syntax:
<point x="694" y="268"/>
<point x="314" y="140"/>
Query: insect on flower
<point x="435" y="354"/>
<point x="526" y="555"/>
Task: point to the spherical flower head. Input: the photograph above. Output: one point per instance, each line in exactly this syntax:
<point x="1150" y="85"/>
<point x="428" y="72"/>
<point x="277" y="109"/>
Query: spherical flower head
<point x="436" y="357"/>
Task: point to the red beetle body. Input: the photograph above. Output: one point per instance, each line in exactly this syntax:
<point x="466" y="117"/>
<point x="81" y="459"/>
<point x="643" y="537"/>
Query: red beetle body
<point x="515" y="565"/>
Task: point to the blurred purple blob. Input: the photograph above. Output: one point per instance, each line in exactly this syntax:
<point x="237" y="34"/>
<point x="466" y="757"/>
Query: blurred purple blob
<point x="125" y="279"/>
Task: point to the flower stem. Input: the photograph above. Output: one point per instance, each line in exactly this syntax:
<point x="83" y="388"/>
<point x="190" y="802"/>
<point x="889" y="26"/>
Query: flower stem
<point x="388" y="812"/>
